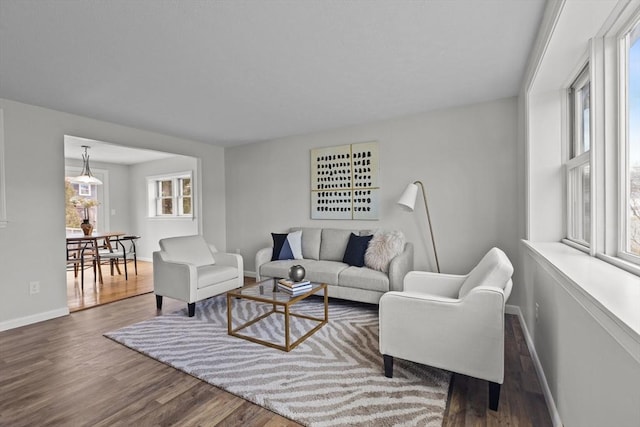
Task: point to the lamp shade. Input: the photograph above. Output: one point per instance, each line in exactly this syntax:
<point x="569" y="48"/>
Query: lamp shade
<point x="408" y="198"/>
<point x="86" y="179"/>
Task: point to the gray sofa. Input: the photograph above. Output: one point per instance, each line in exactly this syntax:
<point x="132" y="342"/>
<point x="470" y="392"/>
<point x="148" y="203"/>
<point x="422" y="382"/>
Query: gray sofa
<point x="323" y="250"/>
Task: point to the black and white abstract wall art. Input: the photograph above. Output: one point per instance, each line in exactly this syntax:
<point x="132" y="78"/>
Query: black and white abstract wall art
<point x="345" y="182"/>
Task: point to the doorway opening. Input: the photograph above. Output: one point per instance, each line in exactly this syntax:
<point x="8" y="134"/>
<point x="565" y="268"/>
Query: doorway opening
<point x="119" y="207"/>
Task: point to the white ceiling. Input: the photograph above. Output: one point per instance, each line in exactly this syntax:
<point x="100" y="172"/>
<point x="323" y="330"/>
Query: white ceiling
<point x="230" y="72"/>
<point x="100" y="151"/>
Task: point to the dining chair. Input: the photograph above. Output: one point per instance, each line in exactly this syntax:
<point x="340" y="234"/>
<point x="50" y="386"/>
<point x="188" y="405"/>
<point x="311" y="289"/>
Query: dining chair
<point x="129" y="241"/>
<point x="120" y="250"/>
<point x="82" y="254"/>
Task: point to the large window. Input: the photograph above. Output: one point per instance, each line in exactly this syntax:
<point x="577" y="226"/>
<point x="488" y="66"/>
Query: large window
<point x="630" y="118"/>
<point x="603" y="150"/>
<point x="578" y="166"/>
<point x="171" y="195"/>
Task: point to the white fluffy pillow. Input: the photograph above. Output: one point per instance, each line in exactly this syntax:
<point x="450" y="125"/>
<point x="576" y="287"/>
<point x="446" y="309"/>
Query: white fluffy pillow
<point x="383" y="247"/>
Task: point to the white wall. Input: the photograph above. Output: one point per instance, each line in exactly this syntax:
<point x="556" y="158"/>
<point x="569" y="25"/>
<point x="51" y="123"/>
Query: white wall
<point x="546" y="190"/>
<point x="32" y="244"/>
<point x="151" y="230"/>
<point x="593" y="379"/>
<point x="465" y="156"/>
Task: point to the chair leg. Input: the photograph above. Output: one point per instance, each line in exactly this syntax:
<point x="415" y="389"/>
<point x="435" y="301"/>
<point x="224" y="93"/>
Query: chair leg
<point x="159" y="302"/>
<point x="82" y="274"/>
<point x="192" y="309"/>
<point x="388" y="365"/>
<point x="494" y="395"/>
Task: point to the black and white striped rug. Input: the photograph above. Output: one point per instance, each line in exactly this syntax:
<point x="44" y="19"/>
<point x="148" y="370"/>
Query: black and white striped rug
<point x="334" y="378"/>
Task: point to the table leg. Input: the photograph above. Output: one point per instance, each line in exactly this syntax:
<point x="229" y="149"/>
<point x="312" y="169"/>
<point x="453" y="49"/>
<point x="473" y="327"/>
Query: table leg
<point x="287" y="338"/>
<point x="326" y="304"/>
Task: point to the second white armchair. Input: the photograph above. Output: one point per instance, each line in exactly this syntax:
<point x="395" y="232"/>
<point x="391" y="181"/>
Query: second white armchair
<point x="188" y="269"/>
<point x="451" y="322"/>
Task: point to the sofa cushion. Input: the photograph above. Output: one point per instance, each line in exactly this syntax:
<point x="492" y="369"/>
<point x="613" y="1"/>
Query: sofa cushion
<point x="383" y="247"/>
<point x="280" y="269"/>
<point x="213" y="274"/>
<point x="287" y="246"/>
<point x="187" y="249"/>
<point x="356" y="247"/>
<point x="364" y="278"/>
<point x="310" y="242"/>
<point x="315" y="271"/>
<point x="325" y="271"/>
<point x="334" y="243"/>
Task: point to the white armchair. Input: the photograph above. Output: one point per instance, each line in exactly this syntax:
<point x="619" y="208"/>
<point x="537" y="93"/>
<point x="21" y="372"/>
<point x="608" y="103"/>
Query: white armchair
<point x="451" y="322"/>
<point x="188" y="269"/>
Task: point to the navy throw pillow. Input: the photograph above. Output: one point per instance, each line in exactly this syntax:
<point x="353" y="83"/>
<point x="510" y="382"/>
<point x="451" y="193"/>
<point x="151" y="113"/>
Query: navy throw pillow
<point x="281" y="248"/>
<point x="357" y="246"/>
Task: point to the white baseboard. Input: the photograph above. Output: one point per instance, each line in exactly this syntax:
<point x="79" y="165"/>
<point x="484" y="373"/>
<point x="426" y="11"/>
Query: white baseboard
<point x="250" y="274"/>
<point x="35" y="318"/>
<point x="546" y="391"/>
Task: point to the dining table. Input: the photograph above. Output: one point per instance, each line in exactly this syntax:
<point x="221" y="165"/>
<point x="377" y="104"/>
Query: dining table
<point x="93" y="242"/>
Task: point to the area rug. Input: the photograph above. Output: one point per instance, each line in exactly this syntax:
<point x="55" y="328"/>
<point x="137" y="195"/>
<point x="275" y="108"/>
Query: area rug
<point x="334" y="378"/>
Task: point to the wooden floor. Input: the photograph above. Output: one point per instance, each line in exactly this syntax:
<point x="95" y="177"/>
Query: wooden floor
<point x="113" y="288"/>
<point x="63" y="372"/>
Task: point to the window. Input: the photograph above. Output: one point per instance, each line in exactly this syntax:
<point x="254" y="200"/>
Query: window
<point x="578" y="167"/>
<point x="81" y="203"/>
<point x="630" y="119"/>
<point x="171" y="195"/>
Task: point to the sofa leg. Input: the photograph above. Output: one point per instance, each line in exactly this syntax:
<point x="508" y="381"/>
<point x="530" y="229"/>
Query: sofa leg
<point x="388" y="365"/>
<point x="159" y="302"/>
<point x="192" y="308"/>
<point x="494" y="395"/>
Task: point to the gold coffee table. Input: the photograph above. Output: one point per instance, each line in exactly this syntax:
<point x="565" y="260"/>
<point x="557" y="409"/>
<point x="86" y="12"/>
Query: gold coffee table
<point x="267" y="292"/>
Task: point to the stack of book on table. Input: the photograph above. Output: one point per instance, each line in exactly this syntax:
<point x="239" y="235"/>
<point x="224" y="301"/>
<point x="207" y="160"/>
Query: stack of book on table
<point x="294" y="288"/>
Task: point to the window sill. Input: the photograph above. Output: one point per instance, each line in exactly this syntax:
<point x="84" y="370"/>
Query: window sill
<point x="172" y="218"/>
<point x="610" y="294"/>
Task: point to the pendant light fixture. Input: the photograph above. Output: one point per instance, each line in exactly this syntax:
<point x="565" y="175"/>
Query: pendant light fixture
<point x="86" y="177"/>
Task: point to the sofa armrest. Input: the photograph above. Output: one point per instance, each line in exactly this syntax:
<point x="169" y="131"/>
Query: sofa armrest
<point x="263" y="256"/>
<point x="447" y="285"/>
<point x="174" y="279"/>
<point x="231" y="260"/>
<point x="399" y="267"/>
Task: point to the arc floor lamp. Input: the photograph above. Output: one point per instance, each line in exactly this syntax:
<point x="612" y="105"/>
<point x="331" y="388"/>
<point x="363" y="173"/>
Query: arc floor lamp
<point x="408" y="201"/>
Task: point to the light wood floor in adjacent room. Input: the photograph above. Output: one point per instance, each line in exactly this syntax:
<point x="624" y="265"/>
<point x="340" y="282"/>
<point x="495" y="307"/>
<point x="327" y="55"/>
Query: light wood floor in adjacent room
<point x="113" y="288"/>
<point x="63" y="372"/>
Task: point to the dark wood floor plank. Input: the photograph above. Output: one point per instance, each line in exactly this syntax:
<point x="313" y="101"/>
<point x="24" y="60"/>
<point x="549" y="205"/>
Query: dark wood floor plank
<point x="65" y="372"/>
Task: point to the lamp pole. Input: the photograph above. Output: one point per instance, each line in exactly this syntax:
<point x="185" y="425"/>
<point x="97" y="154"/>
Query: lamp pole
<point x="426" y="206"/>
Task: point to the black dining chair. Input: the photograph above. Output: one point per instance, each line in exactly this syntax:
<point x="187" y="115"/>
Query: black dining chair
<point x="120" y="248"/>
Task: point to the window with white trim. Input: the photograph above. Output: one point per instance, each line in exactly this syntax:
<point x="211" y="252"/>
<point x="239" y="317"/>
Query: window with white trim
<point x="578" y="167"/>
<point x="630" y="143"/>
<point x="171" y="195"/>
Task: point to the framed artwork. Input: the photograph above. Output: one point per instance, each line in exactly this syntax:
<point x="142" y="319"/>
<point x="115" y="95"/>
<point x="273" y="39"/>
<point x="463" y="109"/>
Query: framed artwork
<point x="345" y="182"/>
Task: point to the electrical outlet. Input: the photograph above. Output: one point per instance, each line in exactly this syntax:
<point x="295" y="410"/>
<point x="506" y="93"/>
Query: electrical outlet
<point x="34" y="287"/>
<point x="537" y="310"/>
